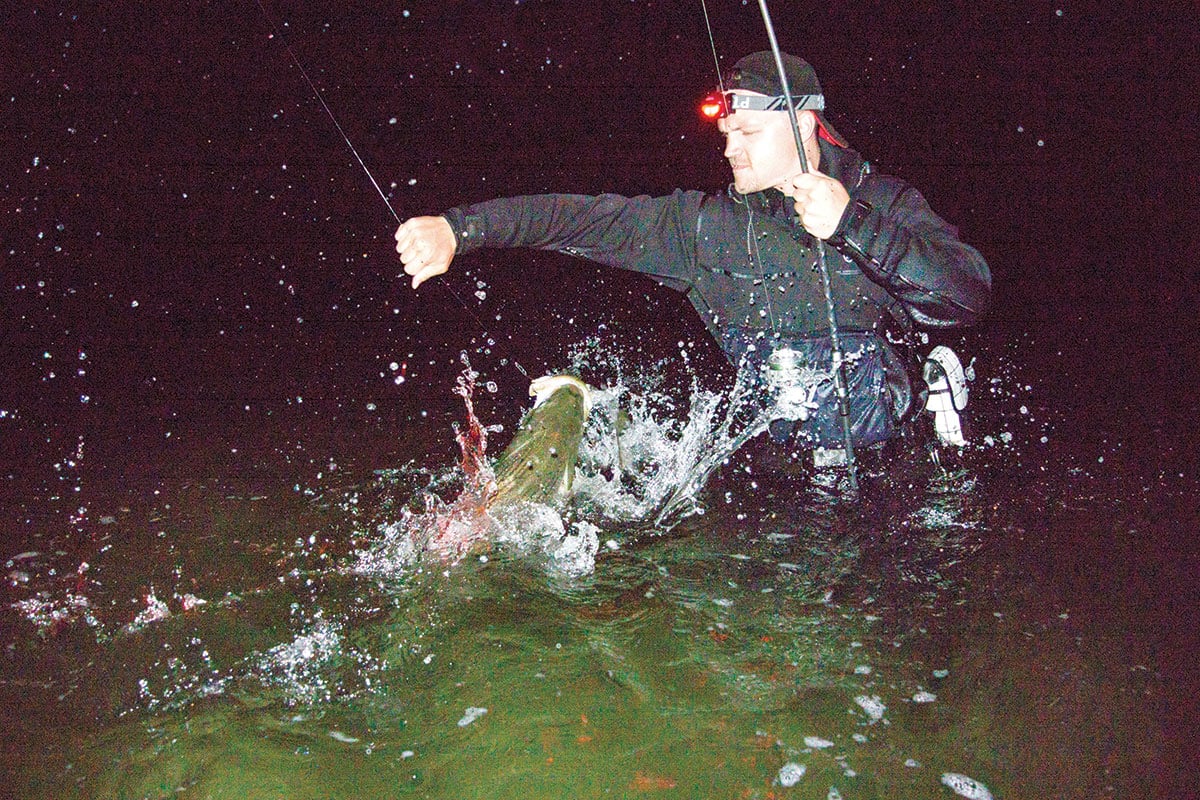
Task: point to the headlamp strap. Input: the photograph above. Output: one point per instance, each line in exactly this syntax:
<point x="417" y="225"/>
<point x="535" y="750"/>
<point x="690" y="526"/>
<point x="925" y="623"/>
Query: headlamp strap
<point x="736" y="101"/>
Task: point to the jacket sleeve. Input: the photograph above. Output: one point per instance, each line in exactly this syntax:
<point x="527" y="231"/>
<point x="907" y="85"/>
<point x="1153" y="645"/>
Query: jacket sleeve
<point x="653" y="235"/>
<point x="898" y="242"/>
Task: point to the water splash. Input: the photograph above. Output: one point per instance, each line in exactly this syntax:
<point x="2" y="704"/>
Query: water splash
<point x="445" y="531"/>
<point x="49" y="614"/>
<point x="641" y="465"/>
<point x="643" y="462"/>
<point x="299" y="668"/>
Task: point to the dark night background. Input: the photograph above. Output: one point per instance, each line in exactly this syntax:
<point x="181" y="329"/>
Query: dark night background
<point x="174" y="157"/>
<point x="188" y="243"/>
<point x="182" y="218"/>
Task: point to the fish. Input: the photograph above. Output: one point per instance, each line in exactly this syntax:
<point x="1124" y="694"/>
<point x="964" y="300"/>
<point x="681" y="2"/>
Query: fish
<point x="538" y="466"/>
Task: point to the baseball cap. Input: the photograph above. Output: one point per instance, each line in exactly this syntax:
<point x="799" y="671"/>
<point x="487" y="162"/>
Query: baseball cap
<point x="757" y="72"/>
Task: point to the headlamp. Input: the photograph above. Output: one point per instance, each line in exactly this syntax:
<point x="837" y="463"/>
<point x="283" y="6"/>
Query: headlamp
<point x="719" y="105"/>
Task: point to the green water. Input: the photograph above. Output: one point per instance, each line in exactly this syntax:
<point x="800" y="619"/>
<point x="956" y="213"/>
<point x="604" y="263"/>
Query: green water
<point x="695" y="663"/>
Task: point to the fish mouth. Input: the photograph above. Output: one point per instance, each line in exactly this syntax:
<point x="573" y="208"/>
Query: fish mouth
<point x="543" y="388"/>
<point x="538" y="466"/>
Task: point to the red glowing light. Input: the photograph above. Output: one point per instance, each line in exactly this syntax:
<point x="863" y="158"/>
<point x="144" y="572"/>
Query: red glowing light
<point x="713" y="107"/>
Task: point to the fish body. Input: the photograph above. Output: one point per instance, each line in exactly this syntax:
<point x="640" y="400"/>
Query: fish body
<point x="538" y="466"/>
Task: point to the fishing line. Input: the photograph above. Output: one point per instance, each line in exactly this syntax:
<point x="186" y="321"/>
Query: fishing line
<point x="752" y="249"/>
<point x="712" y="43"/>
<point x="333" y="119"/>
<point x="295" y="60"/>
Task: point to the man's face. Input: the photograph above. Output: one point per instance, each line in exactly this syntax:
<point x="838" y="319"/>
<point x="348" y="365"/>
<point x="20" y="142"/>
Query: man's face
<point x="760" y="148"/>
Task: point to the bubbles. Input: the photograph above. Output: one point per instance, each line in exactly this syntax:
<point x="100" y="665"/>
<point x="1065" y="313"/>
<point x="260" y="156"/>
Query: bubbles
<point x="964" y="786"/>
<point x="872" y="706"/>
<point x="48" y="613"/>
<point x="298" y="667"/>
<point x="471" y="714"/>
<point x="155" y="611"/>
<point x="790" y="774"/>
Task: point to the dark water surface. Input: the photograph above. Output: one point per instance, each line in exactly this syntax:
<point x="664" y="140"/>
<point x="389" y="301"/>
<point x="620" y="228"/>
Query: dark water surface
<point x="1039" y="595"/>
<point x="216" y="392"/>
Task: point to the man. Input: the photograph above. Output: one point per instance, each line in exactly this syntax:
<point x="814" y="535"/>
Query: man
<point x="747" y="258"/>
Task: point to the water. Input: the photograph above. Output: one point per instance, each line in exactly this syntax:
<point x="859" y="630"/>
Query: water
<point x="215" y="635"/>
<point x="217" y="397"/>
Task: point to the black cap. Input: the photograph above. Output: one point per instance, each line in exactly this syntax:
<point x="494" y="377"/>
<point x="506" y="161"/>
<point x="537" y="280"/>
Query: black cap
<point x="757" y="72"/>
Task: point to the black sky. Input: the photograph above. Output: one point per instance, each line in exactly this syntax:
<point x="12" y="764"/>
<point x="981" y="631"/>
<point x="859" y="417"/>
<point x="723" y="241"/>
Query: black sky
<point x="168" y="170"/>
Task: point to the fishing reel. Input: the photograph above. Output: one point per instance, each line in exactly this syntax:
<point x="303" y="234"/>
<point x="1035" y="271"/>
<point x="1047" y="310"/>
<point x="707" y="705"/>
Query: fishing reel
<point x="785" y="376"/>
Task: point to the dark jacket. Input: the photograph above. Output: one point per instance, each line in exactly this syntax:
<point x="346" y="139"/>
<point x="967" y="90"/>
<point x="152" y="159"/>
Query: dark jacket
<point x="749" y="268"/>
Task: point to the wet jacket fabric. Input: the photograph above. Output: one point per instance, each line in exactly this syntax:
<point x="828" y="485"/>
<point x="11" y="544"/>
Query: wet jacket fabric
<point x="749" y="269"/>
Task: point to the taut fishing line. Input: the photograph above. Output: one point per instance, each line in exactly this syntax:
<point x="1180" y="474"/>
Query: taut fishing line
<point x="751" y="239"/>
<point x="295" y="60"/>
<point x="333" y="119"/>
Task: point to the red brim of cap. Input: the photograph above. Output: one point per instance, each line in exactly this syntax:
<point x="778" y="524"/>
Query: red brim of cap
<point x="827" y="132"/>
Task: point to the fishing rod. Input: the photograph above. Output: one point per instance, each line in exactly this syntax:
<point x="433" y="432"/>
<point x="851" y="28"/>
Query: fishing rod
<point x="839" y="361"/>
<point x="295" y="60"/>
